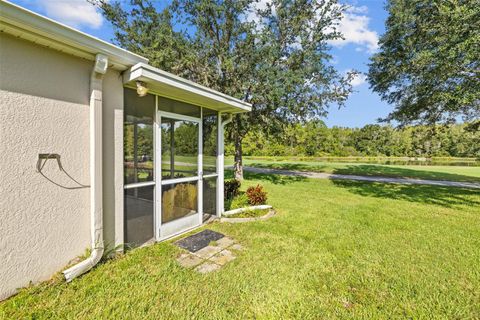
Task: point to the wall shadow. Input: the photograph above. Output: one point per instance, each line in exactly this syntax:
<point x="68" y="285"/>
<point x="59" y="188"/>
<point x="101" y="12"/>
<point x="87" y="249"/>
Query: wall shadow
<point x="290" y="166"/>
<point x="272" y="178"/>
<point x="426" y="194"/>
<point x="397" y="172"/>
<point x="370" y="170"/>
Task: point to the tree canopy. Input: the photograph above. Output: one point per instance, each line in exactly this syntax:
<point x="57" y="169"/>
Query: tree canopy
<point x="316" y="139"/>
<point x="428" y="64"/>
<point x="273" y="56"/>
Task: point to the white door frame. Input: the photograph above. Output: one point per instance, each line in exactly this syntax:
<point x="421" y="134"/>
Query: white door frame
<point x="180" y="225"/>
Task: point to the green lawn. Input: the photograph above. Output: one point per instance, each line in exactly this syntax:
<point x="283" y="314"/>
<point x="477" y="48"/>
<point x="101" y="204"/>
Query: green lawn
<point x="336" y="249"/>
<point x="452" y="173"/>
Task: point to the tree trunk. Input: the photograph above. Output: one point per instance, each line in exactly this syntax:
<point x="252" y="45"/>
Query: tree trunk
<point x="238" y="166"/>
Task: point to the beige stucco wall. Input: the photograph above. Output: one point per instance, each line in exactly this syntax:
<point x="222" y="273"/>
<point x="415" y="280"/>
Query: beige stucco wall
<point x="112" y="160"/>
<point x="45" y="220"/>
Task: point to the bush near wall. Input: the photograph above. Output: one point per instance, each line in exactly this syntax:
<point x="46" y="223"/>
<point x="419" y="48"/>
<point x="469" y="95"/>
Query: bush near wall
<point x="231" y="188"/>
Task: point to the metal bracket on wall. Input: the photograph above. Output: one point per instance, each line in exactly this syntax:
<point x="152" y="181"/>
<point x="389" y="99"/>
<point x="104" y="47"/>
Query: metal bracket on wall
<point x="44" y="157"/>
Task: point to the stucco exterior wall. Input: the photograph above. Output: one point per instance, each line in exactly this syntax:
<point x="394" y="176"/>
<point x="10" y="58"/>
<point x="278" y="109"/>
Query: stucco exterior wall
<point x="44" y="218"/>
<point x="112" y="160"/>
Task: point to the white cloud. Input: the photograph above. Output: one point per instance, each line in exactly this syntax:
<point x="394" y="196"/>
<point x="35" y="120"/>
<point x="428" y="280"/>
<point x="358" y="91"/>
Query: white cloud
<point x="359" y="79"/>
<point x="75" y="13"/>
<point x="360" y="9"/>
<point x="354" y="27"/>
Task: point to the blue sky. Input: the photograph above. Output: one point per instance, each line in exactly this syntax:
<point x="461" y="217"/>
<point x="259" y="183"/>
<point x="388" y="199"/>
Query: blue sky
<point x="362" y="24"/>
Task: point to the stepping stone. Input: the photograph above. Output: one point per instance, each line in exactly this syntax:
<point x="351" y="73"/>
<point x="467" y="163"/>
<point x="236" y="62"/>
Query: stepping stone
<point x="225" y="242"/>
<point x="187" y="260"/>
<point x="207" y="267"/>
<point x="199" y="240"/>
<point x="237" y="247"/>
<point x="208" y="252"/>
<point x="223" y="257"/>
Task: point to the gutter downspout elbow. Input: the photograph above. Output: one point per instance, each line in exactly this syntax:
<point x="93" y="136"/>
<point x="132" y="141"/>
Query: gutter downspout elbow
<point x="96" y="194"/>
<point x="228" y="120"/>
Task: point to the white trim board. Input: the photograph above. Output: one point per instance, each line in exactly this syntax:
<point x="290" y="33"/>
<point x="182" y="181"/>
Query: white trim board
<point x="165" y="84"/>
<point x="28" y="25"/>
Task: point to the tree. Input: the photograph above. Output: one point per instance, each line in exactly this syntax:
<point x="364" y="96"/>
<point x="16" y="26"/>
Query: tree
<point x="148" y="32"/>
<point x="428" y="64"/>
<point x="275" y="57"/>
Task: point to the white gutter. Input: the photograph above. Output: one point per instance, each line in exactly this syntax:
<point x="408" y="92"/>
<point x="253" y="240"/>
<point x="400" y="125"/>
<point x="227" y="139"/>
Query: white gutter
<point x="174" y="87"/>
<point x="96" y="208"/>
<point x="221" y="163"/>
<point x="227" y="121"/>
<point x="26" y="24"/>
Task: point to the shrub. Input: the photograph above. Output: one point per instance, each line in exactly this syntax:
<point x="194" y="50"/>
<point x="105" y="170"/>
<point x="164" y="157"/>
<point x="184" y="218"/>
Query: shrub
<point x="232" y="187"/>
<point x="256" y="195"/>
<point x="227" y="205"/>
<point x="240" y="201"/>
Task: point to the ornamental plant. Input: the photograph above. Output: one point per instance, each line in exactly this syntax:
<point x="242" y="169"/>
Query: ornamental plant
<point x="256" y="195"/>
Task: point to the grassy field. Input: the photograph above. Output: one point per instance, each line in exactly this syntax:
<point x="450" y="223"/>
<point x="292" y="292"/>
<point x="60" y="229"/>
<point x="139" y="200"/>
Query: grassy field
<point x="451" y="173"/>
<point x="336" y="249"/>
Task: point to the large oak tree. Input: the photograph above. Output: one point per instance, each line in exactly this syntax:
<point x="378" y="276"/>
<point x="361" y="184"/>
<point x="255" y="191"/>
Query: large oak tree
<point x="273" y="54"/>
<point x="428" y="64"/>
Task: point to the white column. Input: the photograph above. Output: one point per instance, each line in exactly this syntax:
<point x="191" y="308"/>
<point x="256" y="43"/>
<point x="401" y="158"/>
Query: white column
<point x="172" y="149"/>
<point x="220" y="166"/>
<point x="200" y="167"/>
<point x="157" y="164"/>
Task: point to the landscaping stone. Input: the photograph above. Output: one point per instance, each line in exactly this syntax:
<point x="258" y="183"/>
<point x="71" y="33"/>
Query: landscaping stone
<point x="223" y="257"/>
<point x="225" y="242"/>
<point x="208" y="252"/>
<point x="187" y="260"/>
<point x="268" y="215"/>
<point x="207" y="267"/>
<point x="237" y="247"/>
<point x="209" y="258"/>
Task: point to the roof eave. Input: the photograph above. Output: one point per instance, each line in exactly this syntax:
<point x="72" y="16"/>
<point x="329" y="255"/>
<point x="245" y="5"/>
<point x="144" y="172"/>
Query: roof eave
<point x="168" y="85"/>
<point x="26" y="24"/>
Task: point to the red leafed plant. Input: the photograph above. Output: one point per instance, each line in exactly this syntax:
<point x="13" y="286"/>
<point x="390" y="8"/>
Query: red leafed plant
<point x="256" y="195"/>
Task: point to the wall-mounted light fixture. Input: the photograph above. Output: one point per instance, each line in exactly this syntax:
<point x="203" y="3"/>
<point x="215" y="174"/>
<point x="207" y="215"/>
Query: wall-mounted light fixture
<point x="142" y="89"/>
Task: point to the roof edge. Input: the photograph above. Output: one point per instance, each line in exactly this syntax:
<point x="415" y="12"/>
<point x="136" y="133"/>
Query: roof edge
<point x="27" y="20"/>
<point x="237" y="103"/>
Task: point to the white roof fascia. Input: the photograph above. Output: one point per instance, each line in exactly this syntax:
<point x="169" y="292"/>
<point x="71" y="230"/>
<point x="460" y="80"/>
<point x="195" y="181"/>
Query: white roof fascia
<point x="27" y="24"/>
<point x="149" y="74"/>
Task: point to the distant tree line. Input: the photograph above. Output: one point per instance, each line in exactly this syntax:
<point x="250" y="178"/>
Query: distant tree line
<point x="314" y="138"/>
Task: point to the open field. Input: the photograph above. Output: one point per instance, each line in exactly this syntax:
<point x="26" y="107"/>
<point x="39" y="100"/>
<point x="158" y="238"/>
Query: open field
<point x="336" y="249"/>
<point x="451" y="173"/>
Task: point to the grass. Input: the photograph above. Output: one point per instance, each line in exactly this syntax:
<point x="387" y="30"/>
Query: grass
<point x="335" y="250"/>
<point x="451" y="173"/>
<point x="255" y="213"/>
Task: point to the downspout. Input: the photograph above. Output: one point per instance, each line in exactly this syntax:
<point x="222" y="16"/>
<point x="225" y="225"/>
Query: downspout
<point x="96" y="207"/>
<point x="221" y="164"/>
<point x="227" y="121"/>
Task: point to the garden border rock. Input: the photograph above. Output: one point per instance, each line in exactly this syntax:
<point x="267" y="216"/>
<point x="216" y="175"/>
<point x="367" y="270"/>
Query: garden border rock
<point x="268" y="215"/>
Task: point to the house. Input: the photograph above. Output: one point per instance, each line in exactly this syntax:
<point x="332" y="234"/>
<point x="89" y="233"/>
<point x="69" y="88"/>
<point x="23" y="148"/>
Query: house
<point x="98" y="149"/>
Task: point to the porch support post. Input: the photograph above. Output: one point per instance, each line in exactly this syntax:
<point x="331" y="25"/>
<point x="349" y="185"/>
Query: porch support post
<point x="220" y="166"/>
<point x="200" y="167"/>
<point x="135" y="155"/>
<point x="221" y="162"/>
<point x="172" y="149"/>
